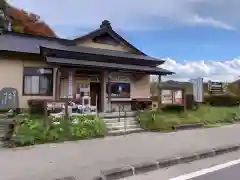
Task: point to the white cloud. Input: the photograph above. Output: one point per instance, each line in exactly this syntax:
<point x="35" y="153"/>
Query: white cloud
<point x="135" y="14"/>
<point x="208" y="21"/>
<point x="209" y="70"/>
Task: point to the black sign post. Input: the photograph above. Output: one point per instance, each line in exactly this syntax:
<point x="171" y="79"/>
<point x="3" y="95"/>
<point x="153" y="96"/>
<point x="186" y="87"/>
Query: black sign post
<point x="9" y="98"/>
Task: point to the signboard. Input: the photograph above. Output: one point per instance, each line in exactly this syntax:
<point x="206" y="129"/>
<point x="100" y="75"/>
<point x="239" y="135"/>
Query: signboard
<point x="178" y="97"/>
<point x="172" y="97"/>
<point x="198" y="92"/>
<point x="55" y="105"/>
<point x="215" y="87"/>
<point x="9" y="98"/>
<point x="167" y="97"/>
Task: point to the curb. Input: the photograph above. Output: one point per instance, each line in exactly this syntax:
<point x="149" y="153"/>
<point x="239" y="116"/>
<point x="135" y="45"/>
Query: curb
<point x="131" y="170"/>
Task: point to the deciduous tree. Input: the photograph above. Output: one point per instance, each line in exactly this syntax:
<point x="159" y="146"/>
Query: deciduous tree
<point x="23" y="21"/>
<point x="3" y="20"/>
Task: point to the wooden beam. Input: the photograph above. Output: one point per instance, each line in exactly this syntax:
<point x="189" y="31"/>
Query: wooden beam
<point x="159" y="93"/>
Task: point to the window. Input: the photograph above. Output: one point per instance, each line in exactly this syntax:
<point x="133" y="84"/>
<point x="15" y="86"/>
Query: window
<point x="38" y="81"/>
<point x="119" y="90"/>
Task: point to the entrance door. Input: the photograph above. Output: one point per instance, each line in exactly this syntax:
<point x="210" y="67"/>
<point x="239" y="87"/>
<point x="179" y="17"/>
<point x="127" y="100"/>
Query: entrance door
<point x="95" y="93"/>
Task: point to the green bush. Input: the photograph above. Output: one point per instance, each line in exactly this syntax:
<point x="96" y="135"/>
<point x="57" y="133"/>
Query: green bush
<point x="222" y="100"/>
<point x="190" y="103"/>
<point x="206" y="115"/>
<point x="36" y="106"/>
<point x="32" y="131"/>
<point x="156" y="121"/>
<point x="173" y="108"/>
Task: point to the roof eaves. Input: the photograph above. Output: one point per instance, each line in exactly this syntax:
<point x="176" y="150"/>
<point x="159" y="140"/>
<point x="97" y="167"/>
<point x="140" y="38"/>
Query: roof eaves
<point x="105" y="52"/>
<point x="159" y="71"/>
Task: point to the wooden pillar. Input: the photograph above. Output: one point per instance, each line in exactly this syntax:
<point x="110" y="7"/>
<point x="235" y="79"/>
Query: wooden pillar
<point x="109" y="91"/>
<point x="57" y="85"/>
<point x="159" y="93"/>
<point x="70" y="84"/>
<point x="103" y="95"/>
<point x="185" y="100"/>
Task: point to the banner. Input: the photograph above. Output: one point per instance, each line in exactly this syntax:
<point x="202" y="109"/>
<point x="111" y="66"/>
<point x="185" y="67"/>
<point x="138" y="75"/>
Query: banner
<point x="198" y="92"/>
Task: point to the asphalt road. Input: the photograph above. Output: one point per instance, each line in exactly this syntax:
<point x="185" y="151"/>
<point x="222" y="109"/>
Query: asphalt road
<point x="223" y="167"/>
<point x="231" y="173"/>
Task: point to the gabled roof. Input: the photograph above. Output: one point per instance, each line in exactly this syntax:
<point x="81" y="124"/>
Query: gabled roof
<point x="24" y="43"/>
<point x="31" y="44"/>
<point x="106" y="27"/>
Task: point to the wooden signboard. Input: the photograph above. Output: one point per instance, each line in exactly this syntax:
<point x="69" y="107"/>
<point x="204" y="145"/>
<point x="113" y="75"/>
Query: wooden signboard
<point x="172" y="97"/>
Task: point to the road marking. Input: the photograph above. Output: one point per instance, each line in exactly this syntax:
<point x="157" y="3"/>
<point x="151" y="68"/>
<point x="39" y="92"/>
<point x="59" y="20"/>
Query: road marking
<point x="206" y="171"/>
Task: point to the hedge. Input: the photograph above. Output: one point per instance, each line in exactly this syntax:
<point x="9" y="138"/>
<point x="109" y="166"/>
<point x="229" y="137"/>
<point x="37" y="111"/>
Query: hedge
<point x="222" y="100"/>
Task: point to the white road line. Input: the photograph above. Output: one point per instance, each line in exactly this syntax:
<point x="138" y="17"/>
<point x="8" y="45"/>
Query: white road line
<point x="206" y="171"/>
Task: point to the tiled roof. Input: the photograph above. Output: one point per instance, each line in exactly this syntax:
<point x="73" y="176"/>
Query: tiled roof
<point x="25" y="44"/>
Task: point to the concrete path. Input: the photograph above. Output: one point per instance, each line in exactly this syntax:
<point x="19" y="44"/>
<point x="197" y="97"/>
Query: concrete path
<point x="85" y="159"/>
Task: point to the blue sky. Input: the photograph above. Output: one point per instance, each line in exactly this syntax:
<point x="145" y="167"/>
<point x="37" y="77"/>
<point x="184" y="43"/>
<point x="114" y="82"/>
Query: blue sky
<point x="189" y="43"/>
<point x="196" y="37"/>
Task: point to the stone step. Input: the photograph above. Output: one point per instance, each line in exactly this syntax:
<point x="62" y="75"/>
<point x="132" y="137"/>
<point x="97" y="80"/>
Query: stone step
<point x="120" y="123"/>
<point x="114" y="120"/>
<point x="3" y="128"/>
<point x="123" y="131"/>
<point x="117" y="114"/>
<point x="2" y="132"/>
<point x="3" y="116"/>
<point x="119" y="127"/>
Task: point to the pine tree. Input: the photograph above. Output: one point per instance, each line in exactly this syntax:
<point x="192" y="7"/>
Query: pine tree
<point x="3" y="20"/>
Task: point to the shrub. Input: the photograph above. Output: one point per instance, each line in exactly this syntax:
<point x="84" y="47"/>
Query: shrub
<point x="159" y="121"/>
<point x="86" y="127"/>
<point x="173" y="108"/>
<point x="36" y="106"/>
<point x="190" y="103"/>
<point x="29" y="131"/>
<point x="222" y="100"/>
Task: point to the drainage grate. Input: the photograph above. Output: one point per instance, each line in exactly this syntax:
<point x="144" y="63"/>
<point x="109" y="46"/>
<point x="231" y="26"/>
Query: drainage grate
<point x="67" y="178"/>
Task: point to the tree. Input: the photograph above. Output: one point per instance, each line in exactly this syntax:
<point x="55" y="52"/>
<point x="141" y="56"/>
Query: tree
<point x="3" y="19"/>
<point x="28" y="22"/>
<point x="23" y="21"/>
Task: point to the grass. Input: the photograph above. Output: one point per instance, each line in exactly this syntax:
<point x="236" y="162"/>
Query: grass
<point x="209" y="116"/>
<point x="212" y="115"/>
